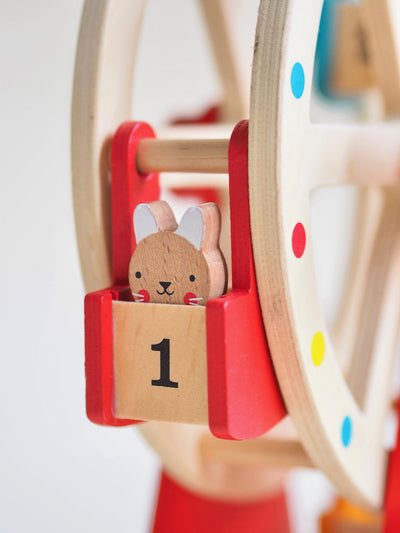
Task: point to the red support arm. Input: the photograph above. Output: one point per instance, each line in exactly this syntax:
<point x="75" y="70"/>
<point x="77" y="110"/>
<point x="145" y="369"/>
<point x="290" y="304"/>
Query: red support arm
<point x="244" y="399"/>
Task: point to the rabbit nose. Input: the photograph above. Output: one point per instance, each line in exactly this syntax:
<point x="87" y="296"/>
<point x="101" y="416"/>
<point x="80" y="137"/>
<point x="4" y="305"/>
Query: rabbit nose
<point x="165" y="284"/>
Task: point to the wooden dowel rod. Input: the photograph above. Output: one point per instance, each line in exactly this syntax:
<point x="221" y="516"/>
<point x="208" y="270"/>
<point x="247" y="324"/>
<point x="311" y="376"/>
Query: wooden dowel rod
<point x="208" y="156"/>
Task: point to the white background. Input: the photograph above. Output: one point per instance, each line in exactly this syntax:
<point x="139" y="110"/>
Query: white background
<point x="58" y="472"/>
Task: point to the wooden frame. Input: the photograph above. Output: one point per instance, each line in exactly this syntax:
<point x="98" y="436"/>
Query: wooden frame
<point x="288" y="157"/>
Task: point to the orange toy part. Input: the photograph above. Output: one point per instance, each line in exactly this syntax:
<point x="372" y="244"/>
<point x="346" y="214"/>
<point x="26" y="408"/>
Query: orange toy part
<point x="348" y="518"/>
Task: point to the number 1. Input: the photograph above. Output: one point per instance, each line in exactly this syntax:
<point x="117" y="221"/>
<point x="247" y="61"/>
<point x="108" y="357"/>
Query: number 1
<point x="164" y="381"/>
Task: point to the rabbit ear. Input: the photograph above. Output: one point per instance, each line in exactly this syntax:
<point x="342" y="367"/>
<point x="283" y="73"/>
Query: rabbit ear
<point x="151" y="218"/>
<point x="144" y="222"/>
<point x="191" y="226"/>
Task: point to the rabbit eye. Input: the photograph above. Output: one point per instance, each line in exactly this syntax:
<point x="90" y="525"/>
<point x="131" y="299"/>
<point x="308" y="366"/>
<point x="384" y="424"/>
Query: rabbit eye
<point x="138" y="275"/>
<point x="192" y="278"/>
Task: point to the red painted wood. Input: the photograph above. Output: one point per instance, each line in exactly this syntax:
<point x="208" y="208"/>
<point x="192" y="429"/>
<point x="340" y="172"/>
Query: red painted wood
<point x="99" y="350"/>
<point x="211" y="115"/>
<point x="181" y="511"/>
<point x="392" y="500"/>
<point x="202" y="195"/>
<point x="244" y="400"/>
<point x="128" y="189"/>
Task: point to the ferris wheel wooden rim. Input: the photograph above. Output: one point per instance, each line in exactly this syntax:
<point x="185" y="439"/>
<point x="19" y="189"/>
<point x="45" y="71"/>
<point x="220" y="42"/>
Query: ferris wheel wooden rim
<point x="101" y="101"/>
<point x="286" y="153"/>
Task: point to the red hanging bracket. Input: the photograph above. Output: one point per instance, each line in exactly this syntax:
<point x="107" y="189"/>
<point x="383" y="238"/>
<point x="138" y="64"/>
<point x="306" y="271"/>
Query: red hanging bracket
<point x="243" y="396"/>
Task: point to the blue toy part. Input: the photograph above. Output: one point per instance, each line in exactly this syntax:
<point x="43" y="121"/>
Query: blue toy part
<point x="324" y="56"/>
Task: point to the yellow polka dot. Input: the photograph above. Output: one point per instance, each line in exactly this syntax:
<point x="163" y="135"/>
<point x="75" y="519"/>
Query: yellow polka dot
<point x="318" y="348"/>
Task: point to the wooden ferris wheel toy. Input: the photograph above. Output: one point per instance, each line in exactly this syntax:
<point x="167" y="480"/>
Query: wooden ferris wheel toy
<point x="211" y="371"/>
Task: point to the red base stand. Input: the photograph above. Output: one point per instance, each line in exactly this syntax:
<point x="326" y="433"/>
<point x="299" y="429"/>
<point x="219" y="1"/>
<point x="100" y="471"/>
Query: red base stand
<point x="180" y="511"/>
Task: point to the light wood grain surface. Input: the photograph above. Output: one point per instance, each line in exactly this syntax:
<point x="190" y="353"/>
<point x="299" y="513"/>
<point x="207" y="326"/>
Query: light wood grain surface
<point x="137" y="328"/>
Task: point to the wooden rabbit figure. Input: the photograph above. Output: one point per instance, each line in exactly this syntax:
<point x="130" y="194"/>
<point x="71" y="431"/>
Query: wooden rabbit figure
<point x="177" y="264"/>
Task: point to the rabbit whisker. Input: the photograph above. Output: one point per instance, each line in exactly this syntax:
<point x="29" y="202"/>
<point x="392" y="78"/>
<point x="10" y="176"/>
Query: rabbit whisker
<point x="194" y="299"/>
<point x="140" y="297"/>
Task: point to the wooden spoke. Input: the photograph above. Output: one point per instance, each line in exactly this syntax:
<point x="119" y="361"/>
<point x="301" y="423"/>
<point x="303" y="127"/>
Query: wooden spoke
<point x="344" y="334"/>
<point x="217" y="14"/>
<point x="374" y="351"/>
<point x="367" y="155"/>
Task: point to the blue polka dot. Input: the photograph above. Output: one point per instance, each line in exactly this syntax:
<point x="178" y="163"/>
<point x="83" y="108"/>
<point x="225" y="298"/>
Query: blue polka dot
<point x="297" y="80"/>
<point x="347" y="431"/>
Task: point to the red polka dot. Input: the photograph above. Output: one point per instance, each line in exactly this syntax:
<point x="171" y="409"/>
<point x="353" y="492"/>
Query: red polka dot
<point x="299" y="240"/>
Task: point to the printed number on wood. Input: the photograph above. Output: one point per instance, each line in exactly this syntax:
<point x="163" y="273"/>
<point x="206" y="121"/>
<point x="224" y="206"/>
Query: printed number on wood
<point x="160" y="350"/>
<point x="164" y="381"/>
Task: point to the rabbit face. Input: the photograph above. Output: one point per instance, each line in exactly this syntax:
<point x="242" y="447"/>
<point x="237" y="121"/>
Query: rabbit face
<point x="177" y="264"/>
<point x="166" y="268"/>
